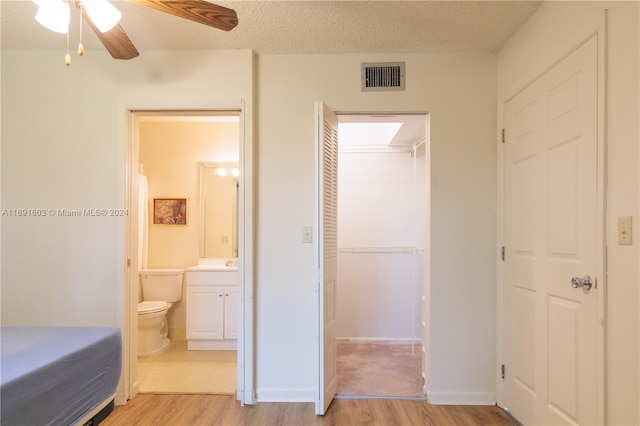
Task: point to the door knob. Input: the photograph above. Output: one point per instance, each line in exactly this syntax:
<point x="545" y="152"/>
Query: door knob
<point x="584" y="282"/>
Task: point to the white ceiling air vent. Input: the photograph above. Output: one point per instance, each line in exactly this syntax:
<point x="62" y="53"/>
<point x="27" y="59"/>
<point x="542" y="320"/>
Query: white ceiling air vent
<point x="382" y="76"/>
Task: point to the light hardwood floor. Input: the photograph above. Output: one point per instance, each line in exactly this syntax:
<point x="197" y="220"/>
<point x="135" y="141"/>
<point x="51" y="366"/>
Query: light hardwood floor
<point x="191" y="410"/>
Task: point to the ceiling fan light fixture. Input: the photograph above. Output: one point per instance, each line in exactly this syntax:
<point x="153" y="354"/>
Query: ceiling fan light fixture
<point x="54" y="15"/>
<point x="102" y="13"/>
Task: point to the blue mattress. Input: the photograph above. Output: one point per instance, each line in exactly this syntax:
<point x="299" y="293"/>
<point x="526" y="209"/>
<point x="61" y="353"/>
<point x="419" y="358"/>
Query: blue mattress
<point x="56" y="375"/>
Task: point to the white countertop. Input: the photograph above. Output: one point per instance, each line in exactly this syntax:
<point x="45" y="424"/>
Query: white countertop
<point x="214" y="264"/>
<point x="204" y="268"/>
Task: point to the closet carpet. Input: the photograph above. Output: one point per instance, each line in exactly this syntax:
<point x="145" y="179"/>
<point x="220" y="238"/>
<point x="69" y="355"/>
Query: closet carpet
<point x="377" y="369"/>
<point x="177" y="370"/>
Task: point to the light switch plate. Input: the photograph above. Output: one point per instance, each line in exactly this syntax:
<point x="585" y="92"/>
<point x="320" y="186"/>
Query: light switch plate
<point x="624" y="230"/>
<point x="307" y="234"/>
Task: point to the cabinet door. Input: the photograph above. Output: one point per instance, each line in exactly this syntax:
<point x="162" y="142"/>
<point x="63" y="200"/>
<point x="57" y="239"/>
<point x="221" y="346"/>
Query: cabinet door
<point x="205" y="312"/>
<point x="230" y="312"/>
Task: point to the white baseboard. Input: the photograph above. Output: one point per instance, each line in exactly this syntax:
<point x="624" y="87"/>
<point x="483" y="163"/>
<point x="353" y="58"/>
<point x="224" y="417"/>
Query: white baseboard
<point x="435" y="398"/>
<point x="461" y="398"/>
<point x="380" y="340"/>
<point x="286" y="395"/>
<point x="135" y="389"/>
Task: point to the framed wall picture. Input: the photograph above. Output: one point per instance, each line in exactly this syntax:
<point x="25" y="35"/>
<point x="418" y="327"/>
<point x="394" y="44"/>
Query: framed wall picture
<point x="169" y="211"/>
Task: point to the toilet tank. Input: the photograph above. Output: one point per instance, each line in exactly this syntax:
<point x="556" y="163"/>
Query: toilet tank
<point x="161" y="284"/>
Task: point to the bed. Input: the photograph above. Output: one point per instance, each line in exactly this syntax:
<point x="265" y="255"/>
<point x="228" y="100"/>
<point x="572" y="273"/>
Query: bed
<point x="58" y="375"/>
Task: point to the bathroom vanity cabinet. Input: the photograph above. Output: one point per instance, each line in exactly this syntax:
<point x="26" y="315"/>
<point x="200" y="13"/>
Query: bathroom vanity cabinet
<point x="212" y="309"/>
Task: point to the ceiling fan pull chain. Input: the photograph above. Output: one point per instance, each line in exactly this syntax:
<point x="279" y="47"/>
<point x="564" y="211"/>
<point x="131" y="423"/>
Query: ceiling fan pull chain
<point x="67" y="58"/>
<point x="80" y="45"/>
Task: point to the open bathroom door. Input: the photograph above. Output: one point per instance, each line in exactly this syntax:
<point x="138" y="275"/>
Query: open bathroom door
<point x="326" y="143"/>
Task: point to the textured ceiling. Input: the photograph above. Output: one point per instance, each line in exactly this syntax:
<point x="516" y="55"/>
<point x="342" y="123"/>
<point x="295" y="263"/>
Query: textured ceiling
<point x="309" y="26"/>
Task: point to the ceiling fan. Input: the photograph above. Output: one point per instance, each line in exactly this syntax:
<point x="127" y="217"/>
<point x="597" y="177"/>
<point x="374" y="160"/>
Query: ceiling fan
<point x="54" y="14"/>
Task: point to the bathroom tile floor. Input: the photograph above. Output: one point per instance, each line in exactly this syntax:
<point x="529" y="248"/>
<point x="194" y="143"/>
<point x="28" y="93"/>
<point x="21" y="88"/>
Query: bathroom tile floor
<point x="178" y="370"/>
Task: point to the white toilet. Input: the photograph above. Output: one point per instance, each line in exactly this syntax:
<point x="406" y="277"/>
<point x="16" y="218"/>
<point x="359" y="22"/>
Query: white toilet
<point x="160" y="289"/>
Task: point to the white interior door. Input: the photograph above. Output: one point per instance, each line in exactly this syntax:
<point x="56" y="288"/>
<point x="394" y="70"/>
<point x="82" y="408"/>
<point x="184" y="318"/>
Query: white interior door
<point x="327" y="251"/>
<point x="551" y="235"/>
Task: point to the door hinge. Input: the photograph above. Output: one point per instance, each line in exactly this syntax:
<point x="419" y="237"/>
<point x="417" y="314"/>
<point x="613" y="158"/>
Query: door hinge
<point x="504" y="138"/>
<point x="502" y="255"/>
<point x="502" y="370"/>
<point x="129" y="262"/>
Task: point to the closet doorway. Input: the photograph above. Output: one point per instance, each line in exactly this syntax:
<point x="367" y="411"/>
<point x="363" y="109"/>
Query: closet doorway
<point x="381" y="265"/>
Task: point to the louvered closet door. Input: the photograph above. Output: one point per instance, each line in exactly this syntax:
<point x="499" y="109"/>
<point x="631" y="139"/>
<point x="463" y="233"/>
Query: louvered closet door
<point x="327" y="249"/>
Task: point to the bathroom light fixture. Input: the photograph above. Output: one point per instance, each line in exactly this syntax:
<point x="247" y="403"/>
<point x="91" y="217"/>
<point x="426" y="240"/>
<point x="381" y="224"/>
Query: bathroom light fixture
<point x="222" y="172"/>
<point x="54" y="15"/>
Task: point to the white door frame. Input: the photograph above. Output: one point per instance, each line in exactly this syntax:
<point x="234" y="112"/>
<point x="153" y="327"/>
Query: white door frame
<point x="129" y="386"/>
<point x="426" y="347"/>
<point x="601" y="34"/>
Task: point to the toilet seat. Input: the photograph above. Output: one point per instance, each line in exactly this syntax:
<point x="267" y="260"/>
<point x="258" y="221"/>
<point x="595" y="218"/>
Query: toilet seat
<point x="150" y="307"/>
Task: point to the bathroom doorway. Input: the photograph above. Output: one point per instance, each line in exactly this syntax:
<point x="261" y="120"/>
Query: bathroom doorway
<point x="382" y="234"/>
<point x="167" y="151"/>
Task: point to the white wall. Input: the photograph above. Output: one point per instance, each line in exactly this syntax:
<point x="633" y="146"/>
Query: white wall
<point x="459" y="91"/>
<point x="378" y="290"/>
<point x="63" y="147"/>
<point x="171" y="153"/>
<point x="554" y="29"/>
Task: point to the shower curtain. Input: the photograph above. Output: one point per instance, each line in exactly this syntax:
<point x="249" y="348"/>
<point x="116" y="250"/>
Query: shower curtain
<point x="143" y="221"/>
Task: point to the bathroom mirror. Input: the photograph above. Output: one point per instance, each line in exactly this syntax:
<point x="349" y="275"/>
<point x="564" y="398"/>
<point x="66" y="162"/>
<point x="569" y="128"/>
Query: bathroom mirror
<point x="219" y="210"/>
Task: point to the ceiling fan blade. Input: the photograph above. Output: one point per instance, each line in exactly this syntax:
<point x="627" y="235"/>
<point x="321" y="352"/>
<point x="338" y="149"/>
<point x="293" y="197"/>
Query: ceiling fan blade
<point x="199" y="11"/>
<point x="116" y="41"/>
